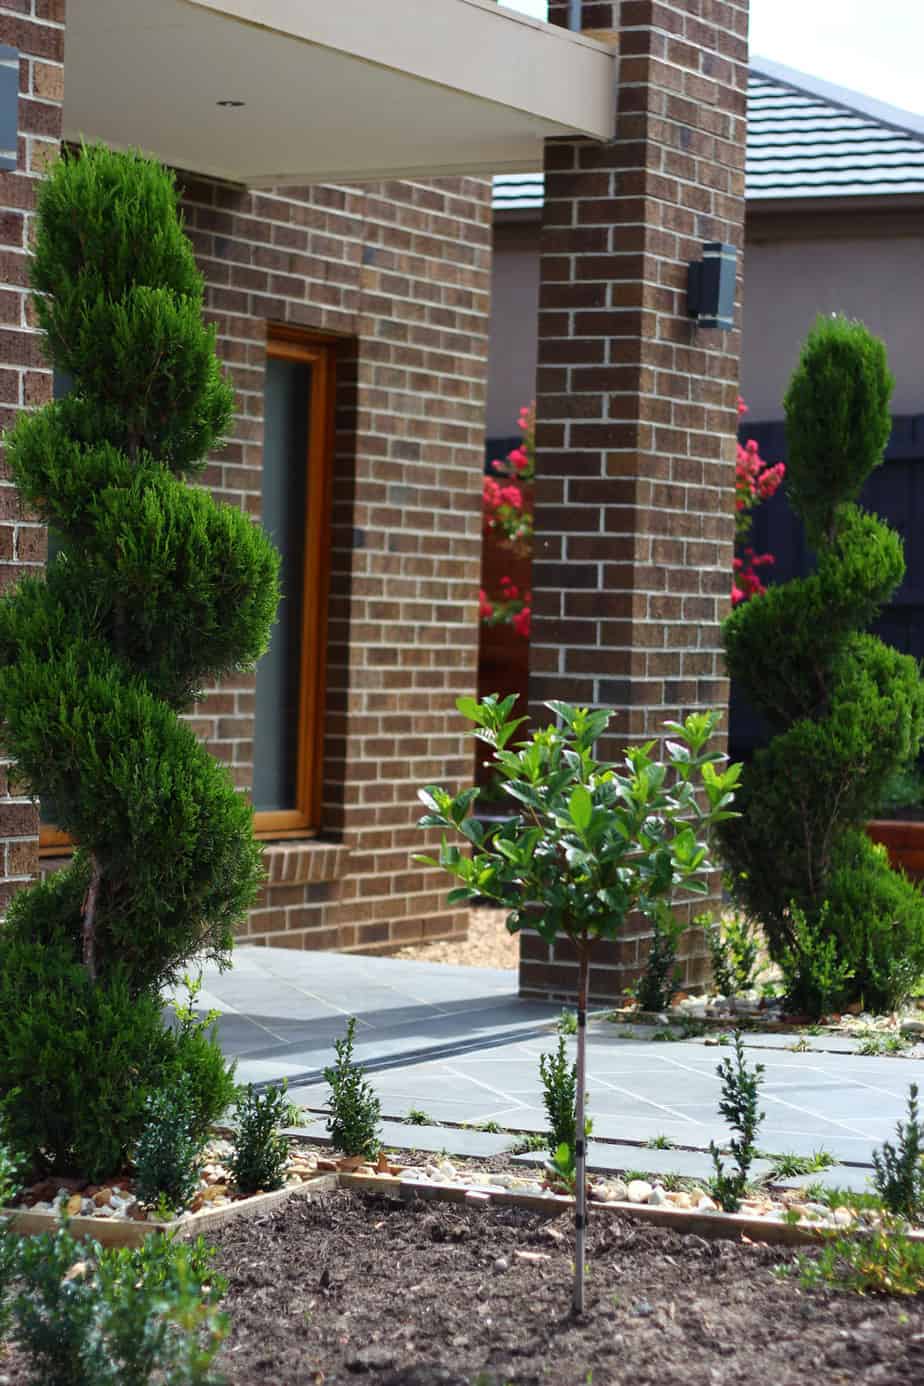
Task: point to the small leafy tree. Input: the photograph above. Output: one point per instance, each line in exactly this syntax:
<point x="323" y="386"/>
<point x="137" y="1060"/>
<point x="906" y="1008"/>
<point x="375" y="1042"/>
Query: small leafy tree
<point x="156" y="592"/>
<point x="587" y="843"/>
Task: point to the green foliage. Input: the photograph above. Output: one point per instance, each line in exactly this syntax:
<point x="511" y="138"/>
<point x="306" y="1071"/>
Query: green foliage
<point x="561" y="1166"/>
<point x="79" y="1062"/>
<point x="837" y="420"/>
<point x="660" y="1142"/>
<point x="88" y="1317"/>
<point x="790" y="1166"/>
<point x="846" y="711"/>
<point x="529" y="1142"/>
<point x="903" y="790"/>
<point x="884" y="1261"/>
<point x="875" y="1044"/>
<point x="814" y="976"/>
<point x="899" y="1169"/>
<point x="588" y="842"/>
<point x="157" y="592"/>
<point x="168" y="1155"/>
<point x="198" y="1063"/>
<point x="661" y="978"/>
<point x="733" y="948"/>
<point x="567" y="1023"/>
<point x="416" y="1117"/>
<point x="559" y="1090"/>
<point x="355" y="1111"/>
<point x="9" y="1190"/>
<point x="261" y="1152"/>
<point x="739" y="1106"/>
<point x="119" y="298"/>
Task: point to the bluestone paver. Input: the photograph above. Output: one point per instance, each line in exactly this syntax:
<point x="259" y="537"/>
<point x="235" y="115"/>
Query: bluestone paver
<point x="459" y="1044"/>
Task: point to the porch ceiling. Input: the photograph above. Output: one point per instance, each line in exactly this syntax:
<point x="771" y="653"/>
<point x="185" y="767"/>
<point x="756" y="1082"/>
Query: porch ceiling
<point x="334" y="90"/>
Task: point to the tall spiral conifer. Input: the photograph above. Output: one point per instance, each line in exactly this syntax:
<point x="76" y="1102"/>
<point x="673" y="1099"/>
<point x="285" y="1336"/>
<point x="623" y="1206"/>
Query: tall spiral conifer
<point x="844" y="709"/>
<point x="156" y="591"/>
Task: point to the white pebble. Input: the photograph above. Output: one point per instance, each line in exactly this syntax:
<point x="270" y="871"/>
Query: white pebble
<point x="639" y="1191"/>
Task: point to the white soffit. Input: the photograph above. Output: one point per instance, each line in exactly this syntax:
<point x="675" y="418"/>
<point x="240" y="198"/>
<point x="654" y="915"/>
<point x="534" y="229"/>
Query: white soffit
<point x="333" y="90"/>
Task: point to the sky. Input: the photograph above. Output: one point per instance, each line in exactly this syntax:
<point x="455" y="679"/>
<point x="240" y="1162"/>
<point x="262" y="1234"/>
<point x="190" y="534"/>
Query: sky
<point x="874" y="48"/>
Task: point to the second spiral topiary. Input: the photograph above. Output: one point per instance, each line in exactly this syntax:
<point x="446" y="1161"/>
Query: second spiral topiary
<point x="156" y="592"/>
<point x="845" y="710"/>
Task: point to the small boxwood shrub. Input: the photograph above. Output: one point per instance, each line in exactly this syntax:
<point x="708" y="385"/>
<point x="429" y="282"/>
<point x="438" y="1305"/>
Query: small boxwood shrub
<point x="355" y="1111"/>
<point x="258" y="1161"/>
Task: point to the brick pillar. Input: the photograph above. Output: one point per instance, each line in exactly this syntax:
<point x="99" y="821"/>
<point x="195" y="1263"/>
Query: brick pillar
<point x="636" y="407"/>
<point x="36" y="29"/>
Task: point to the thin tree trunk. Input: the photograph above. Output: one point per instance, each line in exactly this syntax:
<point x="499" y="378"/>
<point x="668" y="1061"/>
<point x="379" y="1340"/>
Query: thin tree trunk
<point x="580" y="1143"/>
<point x="88" y="928"/>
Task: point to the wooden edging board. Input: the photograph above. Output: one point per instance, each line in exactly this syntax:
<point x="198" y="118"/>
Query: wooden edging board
<point x="718" y="1225"/>
<point x="125" y="1232"/>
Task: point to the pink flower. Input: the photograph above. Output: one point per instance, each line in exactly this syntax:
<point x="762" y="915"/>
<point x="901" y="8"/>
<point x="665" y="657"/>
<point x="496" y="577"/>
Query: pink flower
<point x="512" y="496"/>
<point x="485" y="609"/>
<point x="521" y="622"/>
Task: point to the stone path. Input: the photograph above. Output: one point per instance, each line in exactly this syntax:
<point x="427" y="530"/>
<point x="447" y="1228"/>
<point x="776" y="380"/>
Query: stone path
<point x="458" y="1045"/>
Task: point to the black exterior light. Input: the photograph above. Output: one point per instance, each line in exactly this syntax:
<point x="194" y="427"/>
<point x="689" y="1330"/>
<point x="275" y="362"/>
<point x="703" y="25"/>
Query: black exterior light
<point x="9" y="106"/>
<point x="711" y="286"/>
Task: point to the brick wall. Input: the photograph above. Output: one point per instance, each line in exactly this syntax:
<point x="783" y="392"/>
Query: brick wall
<point x="636" y="407"/>
<point x="400" y="272"/>
<point x="399" y="275"/>
<point x="36" y="29"/>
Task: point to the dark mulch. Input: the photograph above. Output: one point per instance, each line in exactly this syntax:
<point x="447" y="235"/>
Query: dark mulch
<point x="371" y="1290"/>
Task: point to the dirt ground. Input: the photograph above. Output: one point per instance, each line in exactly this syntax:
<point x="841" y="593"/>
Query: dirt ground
<point x="488" y="945"/>
<point x="365" y="1289"/>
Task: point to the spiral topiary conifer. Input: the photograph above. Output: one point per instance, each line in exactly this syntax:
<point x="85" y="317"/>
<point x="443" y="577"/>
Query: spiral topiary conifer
<point x="156" y="591"/>
<point x="845" y="709"/>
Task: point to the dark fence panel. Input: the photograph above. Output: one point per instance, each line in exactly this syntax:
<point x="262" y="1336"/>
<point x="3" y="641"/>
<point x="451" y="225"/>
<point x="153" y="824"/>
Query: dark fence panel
<point x="895" y="491"/>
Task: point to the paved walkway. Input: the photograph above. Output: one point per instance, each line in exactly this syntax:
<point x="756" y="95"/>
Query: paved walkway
<point x="457" y="1044"/>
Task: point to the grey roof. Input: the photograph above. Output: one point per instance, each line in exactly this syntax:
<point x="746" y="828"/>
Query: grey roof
<point x="806" y="138"/>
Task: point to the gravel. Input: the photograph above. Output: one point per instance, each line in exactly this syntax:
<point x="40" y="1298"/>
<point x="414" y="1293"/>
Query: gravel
<point x="488" y="945"/>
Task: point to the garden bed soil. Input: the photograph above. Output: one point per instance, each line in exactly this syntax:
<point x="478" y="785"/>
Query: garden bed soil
<point x="367" y="1289"/>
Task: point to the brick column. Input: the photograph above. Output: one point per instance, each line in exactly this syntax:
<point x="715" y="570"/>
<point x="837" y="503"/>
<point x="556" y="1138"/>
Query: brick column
<point x="36" y="29"/>
<point x="636" y="407"/>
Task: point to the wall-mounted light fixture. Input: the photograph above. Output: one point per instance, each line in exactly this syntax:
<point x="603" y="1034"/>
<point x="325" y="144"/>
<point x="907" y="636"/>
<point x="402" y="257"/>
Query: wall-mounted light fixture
<point x="9" y="106"/>
<point x="711" y="286"/>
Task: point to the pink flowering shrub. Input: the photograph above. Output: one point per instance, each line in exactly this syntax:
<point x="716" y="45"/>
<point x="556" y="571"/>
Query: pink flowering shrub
<point x="507" y="516"/>
<point x="755" y="481"/>
<point x="512" y="607"/>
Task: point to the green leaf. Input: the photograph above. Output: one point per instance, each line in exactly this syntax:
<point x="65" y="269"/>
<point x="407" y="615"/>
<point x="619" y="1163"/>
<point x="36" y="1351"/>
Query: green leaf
<point x="472" y="709"/>
<point x="581" y="807"/>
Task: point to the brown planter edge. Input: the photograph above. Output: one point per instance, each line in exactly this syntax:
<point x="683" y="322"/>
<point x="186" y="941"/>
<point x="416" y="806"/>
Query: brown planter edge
<point x="24" y="1222"/>
<point x="716" y="1226"/>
